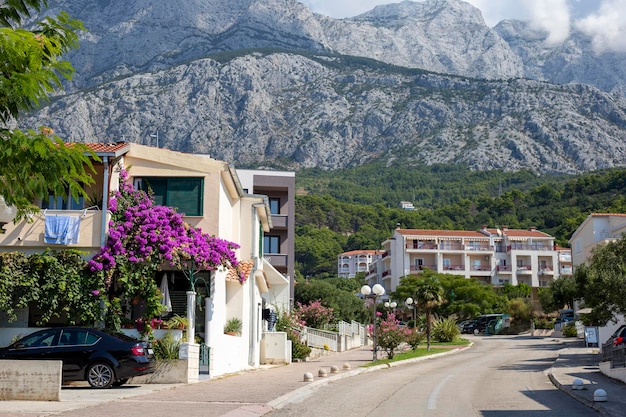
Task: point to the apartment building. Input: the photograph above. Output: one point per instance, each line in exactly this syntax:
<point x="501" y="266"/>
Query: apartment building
<point x="353" y="262"/>
<point x="495" y="256"/>
<point x="596" y="229"/>
<point x="279" y="242"/>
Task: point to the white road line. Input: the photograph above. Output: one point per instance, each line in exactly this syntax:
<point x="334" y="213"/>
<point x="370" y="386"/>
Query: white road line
<point x="432" y="399"/>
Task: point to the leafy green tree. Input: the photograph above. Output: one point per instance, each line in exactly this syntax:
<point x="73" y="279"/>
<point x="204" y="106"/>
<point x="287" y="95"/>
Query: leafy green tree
<point x="467" y="298"/>
<point x="35" y="163"/>
<point x="72" y="295"/>
<point x="602" y="283"/>
<point x="344" y="302"/>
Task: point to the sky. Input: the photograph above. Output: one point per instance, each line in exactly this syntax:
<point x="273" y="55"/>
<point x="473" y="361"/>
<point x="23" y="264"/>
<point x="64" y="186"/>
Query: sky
<point x="603" y="20"/>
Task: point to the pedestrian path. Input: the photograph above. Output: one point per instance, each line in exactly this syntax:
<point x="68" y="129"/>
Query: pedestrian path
<point x="577" y="362"/>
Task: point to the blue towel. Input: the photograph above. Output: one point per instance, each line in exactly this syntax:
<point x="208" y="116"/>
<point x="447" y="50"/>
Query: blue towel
<point x="62" y="230"/>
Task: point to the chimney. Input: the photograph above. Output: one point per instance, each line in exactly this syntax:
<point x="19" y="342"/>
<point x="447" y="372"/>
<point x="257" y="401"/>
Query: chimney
<point x="533" y="228"/>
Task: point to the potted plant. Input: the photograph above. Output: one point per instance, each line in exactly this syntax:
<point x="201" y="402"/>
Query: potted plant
<point x="177" y="322"/>
<point x="233" y="326"/>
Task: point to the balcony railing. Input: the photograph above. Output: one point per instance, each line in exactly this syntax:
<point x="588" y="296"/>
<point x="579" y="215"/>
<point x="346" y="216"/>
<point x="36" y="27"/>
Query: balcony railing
<point x="414" y="268"/>
<point x="526" y="246"/>
<point x="280" y="221"/>
<point x="421" y="245"/>
<point x="451" y="246"/>
<point x="27" y="234"/>
<point x="276" y="259"/>
<point x="453" y="268"/>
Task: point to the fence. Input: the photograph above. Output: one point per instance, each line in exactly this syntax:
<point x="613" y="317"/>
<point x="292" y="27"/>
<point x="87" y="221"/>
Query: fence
<point x="347" y="336"/>
<point x="615" y="354"/>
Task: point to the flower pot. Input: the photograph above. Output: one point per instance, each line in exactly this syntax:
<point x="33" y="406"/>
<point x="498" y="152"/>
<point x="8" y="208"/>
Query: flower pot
<point x="231" y="333"/>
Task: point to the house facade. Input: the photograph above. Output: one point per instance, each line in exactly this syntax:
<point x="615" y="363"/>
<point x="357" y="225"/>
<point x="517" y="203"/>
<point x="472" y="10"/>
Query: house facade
<point x="351" y="263"/>
<point x="210" y="195"/>
<point x="279" y="242"/>
<point x="597" y="229"/>
<point x="496" y="256"/>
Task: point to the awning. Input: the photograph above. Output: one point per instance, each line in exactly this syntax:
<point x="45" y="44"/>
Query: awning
<point x="584" y="311"/>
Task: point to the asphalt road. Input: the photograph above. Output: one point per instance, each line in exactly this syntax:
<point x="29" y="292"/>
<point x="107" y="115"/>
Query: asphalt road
<point x="498" y="377"/>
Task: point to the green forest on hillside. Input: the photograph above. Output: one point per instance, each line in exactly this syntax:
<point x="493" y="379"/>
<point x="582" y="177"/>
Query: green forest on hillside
<point x="358" y="208"/>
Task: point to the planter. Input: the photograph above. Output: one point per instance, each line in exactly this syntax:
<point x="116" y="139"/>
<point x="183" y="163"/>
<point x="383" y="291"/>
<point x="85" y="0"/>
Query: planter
<point x="231" y="333"/>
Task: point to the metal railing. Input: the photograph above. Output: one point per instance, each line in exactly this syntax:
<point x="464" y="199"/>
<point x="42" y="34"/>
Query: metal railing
<point x="321" y="338"/>
<point x="614" y="354"/>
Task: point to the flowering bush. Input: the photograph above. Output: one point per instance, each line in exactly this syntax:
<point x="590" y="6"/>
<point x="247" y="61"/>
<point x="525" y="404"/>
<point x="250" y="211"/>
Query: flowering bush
<point x="293" y="326"/>
<point x="390" y="334"/>
<point x="143" y="236"/>
<point x="314" y="314"/>
<point x="414" y="338"/>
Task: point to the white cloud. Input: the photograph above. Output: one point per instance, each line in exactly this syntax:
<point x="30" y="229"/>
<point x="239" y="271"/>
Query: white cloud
<point x="552" y="16"/>
<point x="607" y="26"/>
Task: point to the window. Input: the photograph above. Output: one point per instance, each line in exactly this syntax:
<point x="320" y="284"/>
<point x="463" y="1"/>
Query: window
<point x="274" y="205"/>
<point x="185" y="194"/>
<point x="64" y="202"/>
<point x="271" y="244"/>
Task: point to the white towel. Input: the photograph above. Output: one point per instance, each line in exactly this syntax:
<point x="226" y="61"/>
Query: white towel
<point x="62" y="230"/>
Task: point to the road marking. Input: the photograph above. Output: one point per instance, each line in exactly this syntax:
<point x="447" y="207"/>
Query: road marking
<point x="432" y="399"/>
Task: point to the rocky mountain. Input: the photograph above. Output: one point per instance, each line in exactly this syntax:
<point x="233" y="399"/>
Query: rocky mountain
<point x="268" y="82"/>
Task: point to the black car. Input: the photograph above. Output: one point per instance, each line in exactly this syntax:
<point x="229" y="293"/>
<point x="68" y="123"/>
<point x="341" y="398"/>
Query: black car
<point x="480" y="323"/>
<point x="101" y="358"/>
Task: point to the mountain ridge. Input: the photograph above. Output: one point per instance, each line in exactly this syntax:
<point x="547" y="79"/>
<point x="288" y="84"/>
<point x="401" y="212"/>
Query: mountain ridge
<point x="291" y="89"/>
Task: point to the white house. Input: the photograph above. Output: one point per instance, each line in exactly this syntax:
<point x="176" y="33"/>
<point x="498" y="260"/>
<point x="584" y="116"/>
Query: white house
<point x="210" y="194"/>
<point x="597" y="229"/>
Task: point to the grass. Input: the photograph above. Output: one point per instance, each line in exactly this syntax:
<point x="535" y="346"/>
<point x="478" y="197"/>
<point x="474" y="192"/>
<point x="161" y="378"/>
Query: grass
<point x="435" y="347"/>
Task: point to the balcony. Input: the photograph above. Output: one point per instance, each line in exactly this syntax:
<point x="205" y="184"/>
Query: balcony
<point x="454" y="268"/>
<point x="280" y="221"/>
<point x="420" y="268"/>
<point x="546" y="270"/>
<point x="524" y="270"/>
<point x="526" y="246"/>
<point x="480" y="248"/>
<point x="504" y="268"/>
<point x="566" y="270"/>
<point x="31" y="234"/>
<point x="421" y="246"/>
<point x="276" y="259"/>
<point x="385" y="273"/>
<point x="451" y="246"/>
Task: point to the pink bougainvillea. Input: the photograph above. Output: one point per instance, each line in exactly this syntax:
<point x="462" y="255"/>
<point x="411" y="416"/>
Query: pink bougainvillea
<point x="142" y="232"/>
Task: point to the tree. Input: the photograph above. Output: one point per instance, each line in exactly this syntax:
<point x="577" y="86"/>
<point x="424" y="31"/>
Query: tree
<point x="602" y="284"/>
<point x="36" y="163"/>
<point x="426" y="290"/>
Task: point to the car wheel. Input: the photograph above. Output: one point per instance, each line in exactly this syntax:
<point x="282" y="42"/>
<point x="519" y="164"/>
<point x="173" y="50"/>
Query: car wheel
<point x="100" y="375"/>
<point x="120" y="382"/>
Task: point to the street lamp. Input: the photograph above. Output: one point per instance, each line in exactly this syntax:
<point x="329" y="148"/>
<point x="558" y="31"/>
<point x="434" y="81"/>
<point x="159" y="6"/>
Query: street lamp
<point x="391" y="305"/>
<point x="374" y="292"/>
<point x="412" y="304"/>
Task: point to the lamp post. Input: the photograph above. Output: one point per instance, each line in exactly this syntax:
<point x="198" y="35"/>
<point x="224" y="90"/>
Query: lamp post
<point x="412" y="304"/>
<point x="374" y="292"/>
<point x="391" y="305"/>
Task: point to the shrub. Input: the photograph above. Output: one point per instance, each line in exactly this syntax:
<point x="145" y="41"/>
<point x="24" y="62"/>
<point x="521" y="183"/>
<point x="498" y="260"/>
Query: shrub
<point x="166" y="348"/>
<point x="414" y="338"/>
<point x="314" y="314"/>
<point x="445" y="330"/>
<point x="291" y="325"/>
<point x="570" y="330"/>
<point x="390" y="334"/>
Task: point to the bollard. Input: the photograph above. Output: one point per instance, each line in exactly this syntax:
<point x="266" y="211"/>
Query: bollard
<point x="322" y="373"/>
<point x="599" y="395"/>
<point x="308" y="377"/>
<point x="578" y="384"/>
<point x="346" y="366"/>
<point x="334" y="370"/>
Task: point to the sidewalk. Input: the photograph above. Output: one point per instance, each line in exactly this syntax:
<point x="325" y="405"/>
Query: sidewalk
<point x="238" y="395"/>
<point x="579" y="362"/>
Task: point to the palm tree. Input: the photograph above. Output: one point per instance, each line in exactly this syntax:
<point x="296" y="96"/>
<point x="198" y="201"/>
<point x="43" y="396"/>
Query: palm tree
<point x="426" y="291"/>
<point x="429" y="294"/>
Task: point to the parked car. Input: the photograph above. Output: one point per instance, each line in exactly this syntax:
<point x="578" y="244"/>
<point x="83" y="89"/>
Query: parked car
<point x="479" y="325"/>
<point x="619" y="336"/>
<point x="101" y="358"/>
<point x="468" y="326"/>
